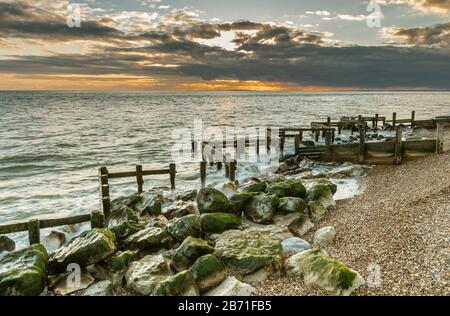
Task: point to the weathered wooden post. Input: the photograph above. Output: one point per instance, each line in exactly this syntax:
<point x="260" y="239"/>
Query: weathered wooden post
<point x="139" y="178"/>
<point x="394" y="119"/>
<point x="203" y="173"/>
<point x="172" y="172"/>
<point x="376" y="121"/>
<point x="97" y="219"/>
<point x="34" y="235"/>
<point x="413" y="118"/>
<point x="398" y="145"/>
<point x="227" y="170"/>
<point x="362" y="142"/>
<point x="333" y="135"/>
<point x="269" y="139"/>
<point x="317" y="135"/>
<point x="232" y="176"/>
<point x="339" y="128"/>
<point x="297" y="144"/>
<point x="105" y="201"/>
<point x="219" y="166"/>
<point x="282" y="141"/>
<point x="328" y="138"/>
<point x="439" y="137"/>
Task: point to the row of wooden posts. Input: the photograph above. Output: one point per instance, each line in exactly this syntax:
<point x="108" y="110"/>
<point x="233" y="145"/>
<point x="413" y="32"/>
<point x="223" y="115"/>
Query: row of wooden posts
<point x="99" y="218"/>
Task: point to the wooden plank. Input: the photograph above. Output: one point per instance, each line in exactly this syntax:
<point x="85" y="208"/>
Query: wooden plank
<point x="34" y="234"/>
<point x="139" y="179"/>
<point x="346" y="152"/>
<point x="413" y="149"/>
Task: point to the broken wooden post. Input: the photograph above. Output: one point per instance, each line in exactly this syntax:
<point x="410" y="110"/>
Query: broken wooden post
<point x="413" y="118"/>
<point x="34" y="235"/>
<point x="232" y="175"/>
<point x="269" y="140"/>
<point x="398" y="145"/>
<point x="439" y="137"/>
<point x="203" y="173"/>
<point x="139" y="179"/>
<point x="362" y="142"/>
<point x="328" y="138"/>
<point x="172" y="172"/>
<point x="105" y="201"/>
<point x="297" y="144"/>
<point x="394" y="119"/>
<point x="282" y="140"/>
<point x="333" y="135"/>
<point x="97" y="219"/>
<point x="219" y="166"/>
<point x="376" y="121"/>
<point x="317" y="135"/>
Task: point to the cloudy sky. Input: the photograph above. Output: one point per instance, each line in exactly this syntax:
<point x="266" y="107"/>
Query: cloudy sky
<point x="278" y="45"/>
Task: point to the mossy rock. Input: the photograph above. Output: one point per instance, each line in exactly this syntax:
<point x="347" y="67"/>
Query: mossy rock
<point x="120" y="261"/>
<point x="151" y="204"/>
<point x="180" y="284"/>
<point x="208" y="272"/>
<point x="23" y="272"/>
<point x="247" y="251"/>
<point x="210" y="200"/>
<point x="292" y="205"/>
<point x="316" y="211"/>
<point x="152" y="238"/>
<point x="90" y="247"/>
<point x="126" y="201"/>
<point x="185" y="226"/>
<point x="330" y="275"/>
<point x="189" y="251"/>
<point x="216" y="223"/>
<point x="318" y="192"/>
<point x="332" y="186"/>
<point x="292" y="188"/>
<point x="239" y="200"/>
<point x="261" y="208"/>
<point x="255" y="187"/>
<point x="125" y="229"/>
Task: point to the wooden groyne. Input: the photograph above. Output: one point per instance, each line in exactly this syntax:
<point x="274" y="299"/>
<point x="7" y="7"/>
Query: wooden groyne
<point x="391" y="151"/>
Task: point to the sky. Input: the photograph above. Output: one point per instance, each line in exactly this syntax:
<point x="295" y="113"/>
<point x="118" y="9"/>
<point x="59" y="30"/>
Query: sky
<point x="262" y="45"/>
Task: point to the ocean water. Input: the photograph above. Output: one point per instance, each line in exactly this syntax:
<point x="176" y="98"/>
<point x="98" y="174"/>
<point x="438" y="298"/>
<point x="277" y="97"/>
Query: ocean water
<point x="52" y="143"/>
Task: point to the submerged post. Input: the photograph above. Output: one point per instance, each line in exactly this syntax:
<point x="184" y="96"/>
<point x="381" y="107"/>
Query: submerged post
<point x="398" y="145"/>
<point x="33" y="232"/>
<point x="362" y="142"/>
<point x="139" y="179"/>
<point x="172" y="172"/>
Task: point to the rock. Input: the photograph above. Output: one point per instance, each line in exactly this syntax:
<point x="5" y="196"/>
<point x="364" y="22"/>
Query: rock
<point x="179" y="209"/>
<point x="125" y="229"/>
<point x="292" y="205"/>
<point x="324" y="236"/>
<point x="189" y="251"/>
<point x="150" y="203"/>
<point x="321" y="193"/>
<point x="208" y="272"/>
<point x="292" y="188"/>
<point x="123" y="220"/>
<point x="142" y="276"/>
<point x="294" y="245"/>
<point x="261" y="208"/>
<point x="293" y="264"/>
<point x="216" y="223"/>
<point x="254" y="187"/>
<point x="55" y="239"/>
<point x="347" y="170"/>
<point x="152" y="238"/>
<point x="23" y="272"/>
<point x="210" y="200"/>
<point x="330" y="275"/>
<point x="90" y="247"/>
<point x="121" y="260"/>
<point x="187" y="195"/>
<point x="331" y="185"/>
<point x="239" y="200"/>
<point x="159" y="221"/>
<point x="316" y="211"/>
<point x="102" y="288"/>
<point x="277" y="232"/>
<point x="299" y="224"/>
<point x="308" y="143"/>
<point x="231" y="287"/>
<point x="247" y="251"/>
<point x="185" y="226"/>
<point x="71" y="282"/>
<point x="180" y="284"/>
<point x="6" y="244"/>
<point x="126" y="201"/>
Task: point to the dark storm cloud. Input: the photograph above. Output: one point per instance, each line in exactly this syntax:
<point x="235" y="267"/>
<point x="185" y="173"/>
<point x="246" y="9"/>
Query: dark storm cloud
<point x="438" y="34"/>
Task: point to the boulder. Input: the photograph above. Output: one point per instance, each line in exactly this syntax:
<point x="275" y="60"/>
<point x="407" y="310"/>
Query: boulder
<point x="125" y="229"/>
<point x="316" y="211"/>
<point x="254" y="187"/>
<point x="293" y="265"/>
<point x="6" y="244"/>
<point x="247" y="251"/>
<point x="324" y="236"/>
<point x="71" y="282"/>
<point x="330" y="275"/>
<point x="150" y="203"/>
<point x="159" y="221"/>
<point x="189" y="251"/>
<point x="55" y="239"/>
<point x="216" y="223"/>
<point x="123" y="220"/>
<point x="90" y="247"/>
<point x="208" y="272"/>
<point x="297" y="223"/>
<point x="321" y="193"/>
<point x="187" y="195"/>
<point x="292" y="188"/>
<point x="179" y="209"/>
<point x="121" y="260"/>
<point x="332" y="186"/>
<point x="185" y="226"/>
<point x="152" y="238"/>
<point x="23" y="272"/>
<point x="142" y="276"/>
<point x="292" y="205"/>
<point x="180" y="284"/>
<point x="231" y="287"/>
<point x="294" y="245"/>
<point x="239" y="200"/>
<point x="210" y="200"/>
<point x="261" y="208"/>
<point x="277" y="232"/>
<point x="102" y="288"/>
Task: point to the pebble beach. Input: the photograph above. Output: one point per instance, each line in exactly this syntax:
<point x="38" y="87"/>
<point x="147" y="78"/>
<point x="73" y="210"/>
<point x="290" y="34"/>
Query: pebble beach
<point x="399" y="224"/>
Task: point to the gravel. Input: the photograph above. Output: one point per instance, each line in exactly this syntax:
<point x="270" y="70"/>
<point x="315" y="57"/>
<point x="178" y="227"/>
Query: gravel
<point x="399" y="226"/>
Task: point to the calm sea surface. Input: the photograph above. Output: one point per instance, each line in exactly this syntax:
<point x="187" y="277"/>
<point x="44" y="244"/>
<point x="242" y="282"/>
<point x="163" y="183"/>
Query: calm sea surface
<point x="51" y="144"/>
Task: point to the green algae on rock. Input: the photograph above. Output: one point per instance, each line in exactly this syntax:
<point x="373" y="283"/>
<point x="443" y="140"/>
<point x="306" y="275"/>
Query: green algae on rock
<point x="120" y="261"/>
<point x="210" y="200"/>
<point x="208" y="272"/>
<point x="292" y="188"/>
<point x="180" y="284"/>
<point x="292" y="205"/>
<point x="255" y="187"/>
<point x="261" y="208"/>
<point x="23" y="272"/>
<point x="185" y="226"/>
<point x="152" y="238"/>
<point x="316" y="211"/>
<point x="189" y="251"/>
<point x="216" y="223"/>
<point x="90" y="247"/>
<point x="239" y="200"/>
